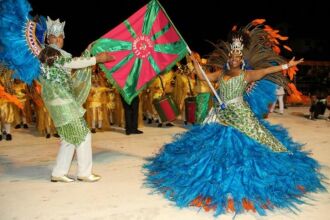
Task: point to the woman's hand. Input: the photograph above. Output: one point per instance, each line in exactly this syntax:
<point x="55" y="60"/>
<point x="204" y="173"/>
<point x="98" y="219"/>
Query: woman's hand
<point x="193" y="58"/>
<point x="104" y="57"/>
<point x="293" y="62"/>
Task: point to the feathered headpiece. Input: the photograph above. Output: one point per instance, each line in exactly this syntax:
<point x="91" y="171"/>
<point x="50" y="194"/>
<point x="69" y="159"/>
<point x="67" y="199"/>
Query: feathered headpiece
<point x="55" y="27"/>
<point x="256" y="44"/>
<point x="236" y="47"/>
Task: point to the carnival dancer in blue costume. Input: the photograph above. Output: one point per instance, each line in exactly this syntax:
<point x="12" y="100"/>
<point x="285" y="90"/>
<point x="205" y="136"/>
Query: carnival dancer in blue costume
<point x="235" y="160"/>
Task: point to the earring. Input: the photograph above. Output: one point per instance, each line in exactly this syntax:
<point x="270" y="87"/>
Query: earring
<point x="227" y="65"/>
<point x="243" y="64"/>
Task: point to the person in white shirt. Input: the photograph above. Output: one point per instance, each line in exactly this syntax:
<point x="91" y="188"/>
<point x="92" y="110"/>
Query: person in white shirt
<point x="280" y="94"/>
<point x="63" y="94"/>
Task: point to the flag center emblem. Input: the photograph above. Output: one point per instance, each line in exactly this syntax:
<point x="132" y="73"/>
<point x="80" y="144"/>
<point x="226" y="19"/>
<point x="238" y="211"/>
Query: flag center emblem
<point x="142" y="46"/>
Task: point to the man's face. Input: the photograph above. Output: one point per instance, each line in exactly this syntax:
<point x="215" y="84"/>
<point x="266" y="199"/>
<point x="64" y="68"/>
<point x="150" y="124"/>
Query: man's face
<point x="58" y="41"/>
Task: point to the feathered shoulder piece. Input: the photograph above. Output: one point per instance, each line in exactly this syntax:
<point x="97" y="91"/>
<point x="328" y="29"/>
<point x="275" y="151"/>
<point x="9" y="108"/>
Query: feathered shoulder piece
<point x="21" y="39"/>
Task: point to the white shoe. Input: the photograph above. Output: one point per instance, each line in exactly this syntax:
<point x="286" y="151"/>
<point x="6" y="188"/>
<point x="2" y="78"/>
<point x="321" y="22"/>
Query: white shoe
<point x="91" y="178"/>
<point x="63" y="179"/>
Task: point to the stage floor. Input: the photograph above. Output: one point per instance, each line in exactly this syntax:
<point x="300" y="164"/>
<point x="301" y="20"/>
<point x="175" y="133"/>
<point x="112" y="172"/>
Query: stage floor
<point x="26" y="163"/>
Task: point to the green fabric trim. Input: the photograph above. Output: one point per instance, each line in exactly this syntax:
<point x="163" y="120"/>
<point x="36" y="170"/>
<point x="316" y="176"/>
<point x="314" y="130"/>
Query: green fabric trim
<point x="161" y="32"/>
<point x="150" y="17"/>
<point x="154" y="64"/>
<point x="110" y="45"/>
<point x="130" y="28"/>
<point x="171" y="48"/>
<point x="118" y="66"/>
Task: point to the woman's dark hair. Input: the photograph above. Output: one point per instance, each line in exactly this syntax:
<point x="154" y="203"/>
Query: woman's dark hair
<point x="48" y="55"/>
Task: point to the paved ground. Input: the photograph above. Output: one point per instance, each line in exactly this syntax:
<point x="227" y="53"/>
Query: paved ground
<point x="27" y="160"/>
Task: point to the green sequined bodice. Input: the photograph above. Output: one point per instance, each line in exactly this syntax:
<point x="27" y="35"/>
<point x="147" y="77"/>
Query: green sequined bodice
<point x="232" y="88"/>
<point x="239" y="115"/>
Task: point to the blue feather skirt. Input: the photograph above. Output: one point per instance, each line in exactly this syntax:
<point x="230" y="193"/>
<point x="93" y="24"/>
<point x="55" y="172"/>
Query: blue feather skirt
<point x="220" y="168"/>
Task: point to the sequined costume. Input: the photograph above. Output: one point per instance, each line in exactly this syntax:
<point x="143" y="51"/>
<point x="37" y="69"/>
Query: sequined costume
<point x="64" y="95"/>
<point x="111" y="105"/>
<point x="238" y="114"/>
<point x="63" y="92"/>
<point x="232" y="160"/>
<point x="8" y="103"/>
<point x="21" y="115"/>
<point x="96" y="107"/>
<point x="236" y="161"/>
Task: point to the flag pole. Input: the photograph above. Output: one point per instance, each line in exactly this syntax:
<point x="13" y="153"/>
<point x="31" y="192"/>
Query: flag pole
<point x="208" y="81"/>
<point x="190" y="52"/>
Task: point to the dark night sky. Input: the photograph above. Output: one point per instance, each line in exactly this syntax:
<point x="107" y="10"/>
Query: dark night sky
<point x="197" y="23"/>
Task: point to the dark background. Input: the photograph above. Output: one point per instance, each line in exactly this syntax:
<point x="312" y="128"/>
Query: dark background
<point x="306" y="24"/>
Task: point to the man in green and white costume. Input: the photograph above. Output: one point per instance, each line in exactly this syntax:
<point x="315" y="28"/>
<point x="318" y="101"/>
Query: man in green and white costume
<point x="64" y="93"/>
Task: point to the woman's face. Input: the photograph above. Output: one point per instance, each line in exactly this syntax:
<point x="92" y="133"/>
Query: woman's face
<point x="58" y="41"/>
<point x="235" y="61"/>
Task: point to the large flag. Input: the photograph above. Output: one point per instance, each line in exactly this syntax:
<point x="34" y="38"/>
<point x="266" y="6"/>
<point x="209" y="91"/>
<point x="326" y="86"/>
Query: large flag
<point x="145" y="45"/>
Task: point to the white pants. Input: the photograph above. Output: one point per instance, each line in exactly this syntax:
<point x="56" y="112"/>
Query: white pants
<point x="65" y="155"/>
<point x="280" y="103"/>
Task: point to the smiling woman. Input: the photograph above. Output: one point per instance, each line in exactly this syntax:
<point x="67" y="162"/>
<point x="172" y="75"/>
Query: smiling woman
<point x="235" y="161"/>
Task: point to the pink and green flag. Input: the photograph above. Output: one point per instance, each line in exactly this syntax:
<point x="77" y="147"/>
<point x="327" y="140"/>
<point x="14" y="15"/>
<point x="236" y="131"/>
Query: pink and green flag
<point x="145" y="45"/>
